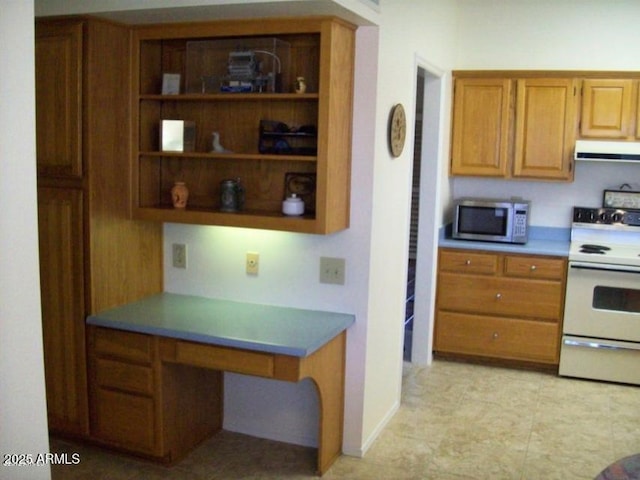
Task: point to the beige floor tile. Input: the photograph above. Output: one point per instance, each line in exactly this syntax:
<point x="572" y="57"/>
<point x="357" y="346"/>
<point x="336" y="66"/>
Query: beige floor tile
<point x="457" y="421"/>
<point x="486" y="460"/>
<point x="563" y="465"/>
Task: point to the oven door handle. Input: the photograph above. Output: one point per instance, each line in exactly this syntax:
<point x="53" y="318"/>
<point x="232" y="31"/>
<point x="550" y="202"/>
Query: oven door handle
<point x="606" y="267"/>
<point x="598" y="344"/>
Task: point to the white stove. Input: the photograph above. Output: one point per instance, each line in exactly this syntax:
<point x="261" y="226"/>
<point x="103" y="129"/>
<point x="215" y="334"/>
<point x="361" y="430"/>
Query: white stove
<point x="605" y="236"/>
<point x="601" y="329"/>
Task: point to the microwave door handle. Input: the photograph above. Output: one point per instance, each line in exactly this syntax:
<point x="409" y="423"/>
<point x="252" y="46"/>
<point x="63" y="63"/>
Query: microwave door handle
<point x="607" y="267"/>
<point x="598" y="345"/>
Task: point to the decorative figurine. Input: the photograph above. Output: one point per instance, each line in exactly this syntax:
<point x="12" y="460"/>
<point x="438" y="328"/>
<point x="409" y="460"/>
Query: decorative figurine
<point x="216" y="147"/>
<point x="179" y="195"/>
<point x="300" y="85"/>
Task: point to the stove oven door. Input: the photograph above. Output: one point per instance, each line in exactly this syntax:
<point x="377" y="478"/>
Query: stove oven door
<point x="603" y="301"/>
<point x="601" y="339"/>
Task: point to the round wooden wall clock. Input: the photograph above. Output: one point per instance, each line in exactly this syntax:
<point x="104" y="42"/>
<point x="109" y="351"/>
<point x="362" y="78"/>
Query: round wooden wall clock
<point x="397" y="130"/>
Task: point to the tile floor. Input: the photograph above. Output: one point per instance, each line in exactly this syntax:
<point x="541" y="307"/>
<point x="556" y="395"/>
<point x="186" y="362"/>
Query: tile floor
<point x="457" y="422"/>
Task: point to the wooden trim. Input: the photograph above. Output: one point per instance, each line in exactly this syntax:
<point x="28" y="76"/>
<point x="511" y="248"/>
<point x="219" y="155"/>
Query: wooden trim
<point x="226" y="28"/>
<point x="514" y="74"/>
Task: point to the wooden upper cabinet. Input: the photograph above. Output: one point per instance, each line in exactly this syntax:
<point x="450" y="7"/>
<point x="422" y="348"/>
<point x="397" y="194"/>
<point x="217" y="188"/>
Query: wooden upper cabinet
<point x="509" y="125"/>
<point x="481" y="112"/>
<point x="545" y="128"/>
<point x="58" y="99"/>
<point x="607" y="108"/>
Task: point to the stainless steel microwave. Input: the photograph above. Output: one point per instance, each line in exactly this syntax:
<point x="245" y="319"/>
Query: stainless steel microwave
<point x="491" y="220"/>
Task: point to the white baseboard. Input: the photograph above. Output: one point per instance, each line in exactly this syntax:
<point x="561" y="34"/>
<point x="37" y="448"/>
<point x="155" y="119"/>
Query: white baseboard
<point x="360" y="451"/>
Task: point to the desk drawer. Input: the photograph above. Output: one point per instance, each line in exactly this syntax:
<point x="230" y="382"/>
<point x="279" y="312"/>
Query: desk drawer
<point x="124" y="376"/>
<point x="227" y="359"/>
<point x="137" y="347"/>
<point x="125" y="420"/>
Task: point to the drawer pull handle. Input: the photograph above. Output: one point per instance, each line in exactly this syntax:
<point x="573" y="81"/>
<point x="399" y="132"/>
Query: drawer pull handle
<point x="498" y="296"/>
<point x="533" y="267"/>
<point x="467" y="262"/>
<point x="495" y="335"/>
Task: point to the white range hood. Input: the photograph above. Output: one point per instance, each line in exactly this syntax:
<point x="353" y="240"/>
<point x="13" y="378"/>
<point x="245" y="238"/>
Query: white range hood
<point x="607" y="151"/>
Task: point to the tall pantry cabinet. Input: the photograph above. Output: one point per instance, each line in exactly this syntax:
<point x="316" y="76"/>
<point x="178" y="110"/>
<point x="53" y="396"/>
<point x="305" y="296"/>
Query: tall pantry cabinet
<point x="92" y="256"/>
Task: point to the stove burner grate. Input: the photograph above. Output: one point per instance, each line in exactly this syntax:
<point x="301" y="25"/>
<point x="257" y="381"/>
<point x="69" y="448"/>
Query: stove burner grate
<point x="592" y="248"/>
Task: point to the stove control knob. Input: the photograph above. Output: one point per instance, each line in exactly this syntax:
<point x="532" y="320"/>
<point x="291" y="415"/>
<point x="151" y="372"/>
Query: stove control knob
<point x="605" y="217"/>
<point x="617" y="217"/>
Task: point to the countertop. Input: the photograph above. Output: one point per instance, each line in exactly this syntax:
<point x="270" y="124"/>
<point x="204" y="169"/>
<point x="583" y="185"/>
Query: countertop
<point x="266" y="328"/>
<point x="542" y="241"/>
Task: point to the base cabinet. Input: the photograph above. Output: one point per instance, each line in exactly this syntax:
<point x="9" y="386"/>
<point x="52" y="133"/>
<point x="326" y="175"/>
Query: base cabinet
<point x="500" y="306"/>
<point x="146" y="407"/>
<point x="61" y="275"/>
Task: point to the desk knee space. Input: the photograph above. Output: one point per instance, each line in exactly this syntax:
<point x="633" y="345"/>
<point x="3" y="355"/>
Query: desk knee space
<point x="182" y="391"/>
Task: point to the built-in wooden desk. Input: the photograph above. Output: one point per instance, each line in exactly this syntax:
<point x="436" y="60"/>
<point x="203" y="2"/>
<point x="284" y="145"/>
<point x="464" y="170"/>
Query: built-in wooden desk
<point x="155" y="368"/>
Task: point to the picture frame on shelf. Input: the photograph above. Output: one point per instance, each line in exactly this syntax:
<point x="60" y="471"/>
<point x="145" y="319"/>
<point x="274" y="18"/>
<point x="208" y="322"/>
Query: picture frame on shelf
<point x="303" y="185"/>
<point x="170" y="84"/>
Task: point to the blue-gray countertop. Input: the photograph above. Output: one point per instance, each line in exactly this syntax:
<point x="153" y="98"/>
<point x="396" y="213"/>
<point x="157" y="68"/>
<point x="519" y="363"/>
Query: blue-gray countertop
<point x="542" y="241"/>
<point x="266" y="328"/>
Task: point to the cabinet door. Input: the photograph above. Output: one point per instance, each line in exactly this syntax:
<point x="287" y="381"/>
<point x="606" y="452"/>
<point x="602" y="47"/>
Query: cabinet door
<point x="637" y="114"/>
<point x="607" y="108"/>
<point x="545" y="128"/>
<point x="62" y="285"/>
<point x="480" y="141"/>
<point x="58" y="99"/>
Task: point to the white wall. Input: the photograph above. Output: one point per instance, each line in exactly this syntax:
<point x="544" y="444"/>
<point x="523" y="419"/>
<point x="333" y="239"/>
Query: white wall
<point x="550" y="35"/>
<point x="23" y="421"/>
<point x="409" y="30"/>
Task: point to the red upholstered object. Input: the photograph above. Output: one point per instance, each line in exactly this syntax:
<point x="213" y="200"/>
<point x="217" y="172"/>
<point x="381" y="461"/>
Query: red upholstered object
<point x="627" y="468"/>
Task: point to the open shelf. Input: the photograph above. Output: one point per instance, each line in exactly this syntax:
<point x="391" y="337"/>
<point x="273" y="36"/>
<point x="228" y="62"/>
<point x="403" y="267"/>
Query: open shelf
<point x="315" y="145"/>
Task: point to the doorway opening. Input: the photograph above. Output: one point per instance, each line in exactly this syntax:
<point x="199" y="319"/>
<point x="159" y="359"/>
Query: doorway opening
<point x="425" y="203"/>
<point x="415" y="214"/>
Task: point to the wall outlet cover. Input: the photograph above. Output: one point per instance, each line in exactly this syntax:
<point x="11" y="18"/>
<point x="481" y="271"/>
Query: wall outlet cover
<point x="252" y="263"/>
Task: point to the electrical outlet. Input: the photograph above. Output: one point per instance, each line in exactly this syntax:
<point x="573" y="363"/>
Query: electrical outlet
<point x="253" y="263"/>
<point x="332" y="270"/>
<point x="179" y="255"/>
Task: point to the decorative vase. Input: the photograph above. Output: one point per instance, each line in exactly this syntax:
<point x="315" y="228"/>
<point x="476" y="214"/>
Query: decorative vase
<point x="300" y="85"/>
<point x="179" y="195"/>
